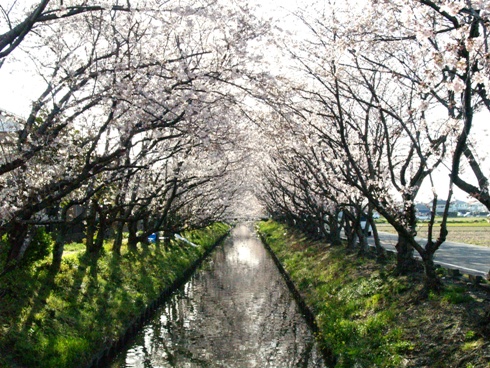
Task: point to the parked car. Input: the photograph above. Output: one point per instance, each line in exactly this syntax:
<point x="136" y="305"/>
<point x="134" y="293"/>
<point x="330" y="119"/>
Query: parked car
<point x="152" y="238"/>
<point x="363" y="225"/>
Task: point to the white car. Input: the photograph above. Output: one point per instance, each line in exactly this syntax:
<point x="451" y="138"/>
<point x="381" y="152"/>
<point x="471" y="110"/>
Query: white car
<point x="363" y="225"/>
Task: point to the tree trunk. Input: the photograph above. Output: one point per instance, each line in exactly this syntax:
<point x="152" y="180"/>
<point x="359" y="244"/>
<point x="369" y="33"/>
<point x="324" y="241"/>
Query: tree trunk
<point x="432" y="282"/>
<point x="132" y="238"/>
<point x="99" y="241"/>
<point x="91" y="228"/>
<point x="144" y="240"/>
<point x="59" y="246"/>
<point x="405" y="263"/>
<point x="351" y="235"/>
<point x="380" y="251"/>
<point x="335" y="229"/>
<point x="363" y="242"/>
<point x="18" y="241"/>
<point x="118" y="238"/>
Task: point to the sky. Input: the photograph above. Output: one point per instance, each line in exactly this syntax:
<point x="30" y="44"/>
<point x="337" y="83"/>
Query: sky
<point x="18" y="90"/>
<point x="19" y="87"/>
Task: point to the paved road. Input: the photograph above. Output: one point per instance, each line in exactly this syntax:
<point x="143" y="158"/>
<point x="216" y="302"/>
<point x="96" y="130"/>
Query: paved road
<point x="470" y="259"/>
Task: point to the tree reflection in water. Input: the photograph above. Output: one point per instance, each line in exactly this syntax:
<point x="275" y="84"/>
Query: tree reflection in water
<point x="235" y="312"/>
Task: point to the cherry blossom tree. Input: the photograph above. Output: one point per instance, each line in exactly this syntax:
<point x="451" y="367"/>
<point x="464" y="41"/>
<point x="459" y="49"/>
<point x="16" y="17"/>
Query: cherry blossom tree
<point x="439" y="49"/>
<point x="118" y="84"/>
<point x="379" y="132"/>
<point x="452" y="39"/>
<point x="20" y="25"/>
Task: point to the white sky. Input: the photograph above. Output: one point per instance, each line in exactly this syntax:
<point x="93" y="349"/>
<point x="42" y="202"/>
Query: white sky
<point x="19" y="88"/>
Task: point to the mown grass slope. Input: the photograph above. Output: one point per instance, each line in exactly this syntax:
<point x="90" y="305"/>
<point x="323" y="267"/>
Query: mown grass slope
<point x="61" y="319"/>
<point x="369" y="318"/>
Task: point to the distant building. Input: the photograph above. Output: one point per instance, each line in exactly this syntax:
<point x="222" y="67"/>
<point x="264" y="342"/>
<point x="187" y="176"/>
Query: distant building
<point x="425" y="208"/>
<point x="422" y="208"/>
<point x="456" y="208"/>
<point x="476" y="207"/>
<point x="441" y="206"/>
<point x="459" y="206"/>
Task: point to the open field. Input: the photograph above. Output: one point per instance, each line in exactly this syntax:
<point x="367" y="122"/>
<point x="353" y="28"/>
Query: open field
<point x="473" y="230"/>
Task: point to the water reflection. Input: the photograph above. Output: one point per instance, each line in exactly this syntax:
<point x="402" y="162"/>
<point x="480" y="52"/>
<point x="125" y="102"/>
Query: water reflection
<point x="235" y="312"/>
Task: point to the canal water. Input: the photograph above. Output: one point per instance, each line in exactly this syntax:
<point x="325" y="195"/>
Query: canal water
<point x="236" y="311"/>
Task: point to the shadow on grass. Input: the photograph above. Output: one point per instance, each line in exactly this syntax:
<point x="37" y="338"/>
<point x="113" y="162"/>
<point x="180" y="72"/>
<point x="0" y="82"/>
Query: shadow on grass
<point x="24" y="309"/>
<point x="61" y="315"/>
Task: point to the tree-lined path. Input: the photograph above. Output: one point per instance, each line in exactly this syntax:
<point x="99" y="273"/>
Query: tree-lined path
<point x="150" y="116"/>
<point x="236" y="312"/>
<point x="120" y="120"/>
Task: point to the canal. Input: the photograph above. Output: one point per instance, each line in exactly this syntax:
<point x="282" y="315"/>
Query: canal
<point x="236" y="311"/>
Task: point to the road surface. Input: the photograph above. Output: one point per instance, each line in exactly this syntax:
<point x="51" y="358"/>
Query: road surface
<point x="469" y="259"/>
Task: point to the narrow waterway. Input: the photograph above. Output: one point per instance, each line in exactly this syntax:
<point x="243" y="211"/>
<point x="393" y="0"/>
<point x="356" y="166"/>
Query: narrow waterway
<point x="235" y="312"/>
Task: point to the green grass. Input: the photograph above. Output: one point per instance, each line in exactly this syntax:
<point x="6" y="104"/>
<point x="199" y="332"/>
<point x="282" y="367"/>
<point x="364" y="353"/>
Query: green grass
<point x="61" y="319"/>
<point x="370" y="318"/>
<point x="74" y="247"/>
<point x="356" y="315"/>
<point x="456" y="295"/>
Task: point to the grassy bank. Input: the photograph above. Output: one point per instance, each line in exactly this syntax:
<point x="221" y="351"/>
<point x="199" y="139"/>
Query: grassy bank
<point x="61" y="319"/>
<point x="369" y="318"/>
